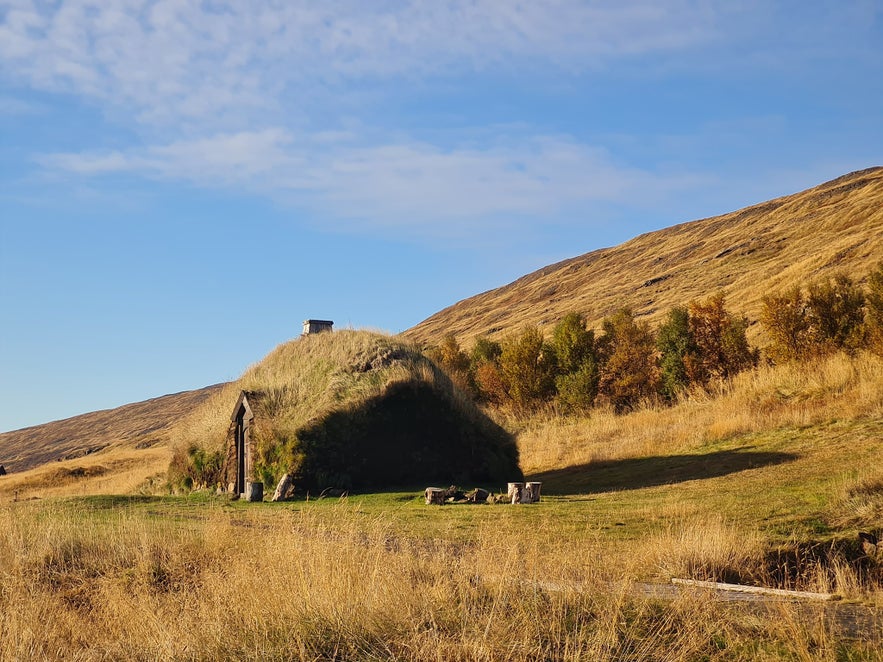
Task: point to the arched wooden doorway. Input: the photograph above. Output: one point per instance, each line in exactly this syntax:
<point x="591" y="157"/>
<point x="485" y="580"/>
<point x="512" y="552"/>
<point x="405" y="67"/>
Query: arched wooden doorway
<point x="242" y="419"/>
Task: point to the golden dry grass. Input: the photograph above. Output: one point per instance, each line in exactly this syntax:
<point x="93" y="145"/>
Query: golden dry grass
<point x="837" y="387"/>
<point x="113" y="471"/>
<point x="119" y="583"/>
<point x="837" y="226"/>
<point x="139" y="424"/>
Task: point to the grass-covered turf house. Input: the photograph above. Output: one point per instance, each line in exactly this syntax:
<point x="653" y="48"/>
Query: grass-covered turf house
<point x="352" y="410"/>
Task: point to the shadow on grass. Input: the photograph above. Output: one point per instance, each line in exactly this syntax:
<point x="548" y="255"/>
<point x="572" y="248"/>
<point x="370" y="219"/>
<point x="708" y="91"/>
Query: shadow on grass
<point x="635" y="473"/>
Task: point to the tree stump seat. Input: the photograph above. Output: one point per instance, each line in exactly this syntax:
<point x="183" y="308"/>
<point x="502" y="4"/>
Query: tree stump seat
<point x="434" y="496"/>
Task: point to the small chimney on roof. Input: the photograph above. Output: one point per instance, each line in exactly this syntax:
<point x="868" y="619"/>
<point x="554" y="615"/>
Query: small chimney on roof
<point x="316" y="326"/>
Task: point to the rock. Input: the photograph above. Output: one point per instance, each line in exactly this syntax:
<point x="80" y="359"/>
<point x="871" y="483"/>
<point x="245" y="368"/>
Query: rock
<point x="869" y="543"/>
<point x="2" y="470"/>
<point x="477" y="495"/>
<point x="284" y="489"/>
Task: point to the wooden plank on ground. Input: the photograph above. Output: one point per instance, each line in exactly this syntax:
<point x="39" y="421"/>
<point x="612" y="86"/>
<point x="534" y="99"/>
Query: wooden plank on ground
<point x="760" y="590"/>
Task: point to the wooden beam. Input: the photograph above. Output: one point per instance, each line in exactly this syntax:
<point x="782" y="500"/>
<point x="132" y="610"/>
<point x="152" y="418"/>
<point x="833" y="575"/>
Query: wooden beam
<point x="760" y="590"/>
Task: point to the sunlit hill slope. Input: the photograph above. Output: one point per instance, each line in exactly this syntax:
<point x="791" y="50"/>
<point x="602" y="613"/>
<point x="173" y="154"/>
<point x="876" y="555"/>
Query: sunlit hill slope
<point x="137" y="425"/>
<point x="837" y="226"/>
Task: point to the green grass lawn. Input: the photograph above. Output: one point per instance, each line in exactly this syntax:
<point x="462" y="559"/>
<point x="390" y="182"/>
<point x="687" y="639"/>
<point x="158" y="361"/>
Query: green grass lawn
<point x="784" y="485"/>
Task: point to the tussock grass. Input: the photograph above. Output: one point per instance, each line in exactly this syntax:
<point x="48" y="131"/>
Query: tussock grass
<point x="860" y="502"/>
<point x="307" y="378"/>
<point x="709" y="548"/>
<point x="235" y="584"/>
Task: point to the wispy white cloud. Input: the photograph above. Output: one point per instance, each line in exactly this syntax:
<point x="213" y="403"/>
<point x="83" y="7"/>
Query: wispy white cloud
<point x="246" y="95"/>
<point x="408" y="184"/>
<point x="171" y="60"/>
<point x="89" y="163"/>
<point x="243" y="159"/>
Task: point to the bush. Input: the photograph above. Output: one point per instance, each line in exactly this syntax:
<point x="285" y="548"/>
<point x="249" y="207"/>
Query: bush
<point x="490" y="383"/>
<point x="721" y="347"/>
<point x="454" y="362"/>
<point x="484" y="370"/>
<point x="784" y="316"/>
<point x="485" y="350"/>
<point x="674" y="343"/>
<point x="738" y="354"/>
<point x="527" y="368"/>
<point x="874" y="310"/>
<point x="829" y="317"/>
<point x="573" y="344"/>
<point x="836" y="315"/>
<point x="577" y="390"/>
<point x="629" y="373"/>
<point x="576" y="363"/>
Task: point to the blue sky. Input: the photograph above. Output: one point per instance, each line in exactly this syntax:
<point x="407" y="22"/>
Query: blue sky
<point x="182" y="183"/>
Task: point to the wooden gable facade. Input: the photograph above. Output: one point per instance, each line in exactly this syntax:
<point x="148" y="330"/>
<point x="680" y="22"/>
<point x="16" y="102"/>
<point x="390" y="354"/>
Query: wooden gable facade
<point x="240" y="450"/>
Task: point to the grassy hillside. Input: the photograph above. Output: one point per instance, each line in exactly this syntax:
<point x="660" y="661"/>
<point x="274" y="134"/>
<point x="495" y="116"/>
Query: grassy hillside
<point x="837" y="226"/>
<point x="138" y="425"/>
<point x="353" y="409"/>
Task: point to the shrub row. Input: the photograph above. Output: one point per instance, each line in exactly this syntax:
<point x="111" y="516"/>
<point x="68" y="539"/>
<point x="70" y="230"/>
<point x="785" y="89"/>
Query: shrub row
<point x="826" y="316"/>
<point x="629" y="362"/>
